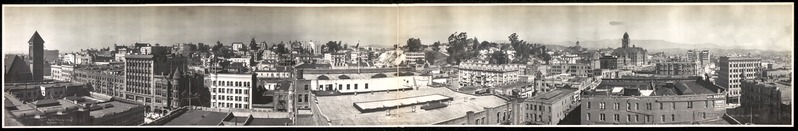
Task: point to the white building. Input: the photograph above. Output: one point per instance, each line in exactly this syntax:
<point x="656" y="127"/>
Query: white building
<point x="231" y="90"/>
<point x="62" y="72"/>
<point x="411" y="58"/>
<point x="238" y="46"/>
<point x="244" y="60"/>
<point x="69" y="58"/>
<point x="474" y="74"/>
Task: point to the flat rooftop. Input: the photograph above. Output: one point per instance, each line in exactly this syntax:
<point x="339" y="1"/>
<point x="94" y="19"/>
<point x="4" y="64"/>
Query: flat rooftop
<point x="382" y="104"/>
<point x="112" y="107"/>
<point x="36" y="85"/>
<point x="660" y="86"/>
<point x="339" y="109"/>
<point x="553" y="96"/>
<point x="199" y="117"/>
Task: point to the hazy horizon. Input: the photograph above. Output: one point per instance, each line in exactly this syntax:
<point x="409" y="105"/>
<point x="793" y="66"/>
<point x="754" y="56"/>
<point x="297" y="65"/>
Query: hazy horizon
<point x="70" y="29"/>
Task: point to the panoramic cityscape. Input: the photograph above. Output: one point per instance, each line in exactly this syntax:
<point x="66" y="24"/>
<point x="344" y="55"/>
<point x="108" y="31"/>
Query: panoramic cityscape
<point x="568" y="65"/>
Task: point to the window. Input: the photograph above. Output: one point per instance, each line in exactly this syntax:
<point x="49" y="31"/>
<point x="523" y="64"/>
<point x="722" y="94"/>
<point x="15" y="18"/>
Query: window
<point x="661" y="106"/>
<point x="674" y="105"/>
<point x="648" y="106"/>
<point x="601" y="105"/>
<point x="588" y="105"/>
<point x="706" y="104"/>
<point x="617" y="106"/>
<point x="347" y="86"/>
<point x="637" y="118"/>
<point x="366" y="86"/>
<point x="663" y="118"/>
<point x="628" y="118"/>
<point x="616" y="117"/>
<point x="246" y="99"/>
<point x="588" y="116"/>
<point x="628" y="106"/>
<point x="690" y="104"/>
<point x="648" y="118"/>
<point x="306" y="87"/>
<point x="637" y="106"/>
<point x="602" y="117"/>
<point x="246" y="92"/>
<point x="340" y="86"/>
<point x="321" y="87"/>
<point x="673" y="117"/>
<point x="355" y="86"/>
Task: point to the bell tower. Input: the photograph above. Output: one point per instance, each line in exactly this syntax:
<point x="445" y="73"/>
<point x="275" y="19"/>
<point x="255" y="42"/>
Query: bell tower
<point x="625" y="41"/>
<point x="36" y="52"/>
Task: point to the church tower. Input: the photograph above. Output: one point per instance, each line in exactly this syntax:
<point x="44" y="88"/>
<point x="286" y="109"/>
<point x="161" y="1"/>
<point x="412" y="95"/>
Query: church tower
<point x="625" y="41"/>
<point x="36" y="52"/>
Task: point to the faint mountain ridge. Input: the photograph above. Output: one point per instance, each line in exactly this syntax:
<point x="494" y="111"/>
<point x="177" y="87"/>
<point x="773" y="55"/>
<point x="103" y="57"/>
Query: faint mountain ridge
<point x="646" y="44"/>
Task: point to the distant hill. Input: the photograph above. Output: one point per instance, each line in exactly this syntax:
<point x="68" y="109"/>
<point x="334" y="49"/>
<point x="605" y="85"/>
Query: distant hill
<point x="647" y="44"/>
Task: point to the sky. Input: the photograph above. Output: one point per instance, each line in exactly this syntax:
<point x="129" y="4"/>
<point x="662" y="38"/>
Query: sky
<point x="73" y="28"/>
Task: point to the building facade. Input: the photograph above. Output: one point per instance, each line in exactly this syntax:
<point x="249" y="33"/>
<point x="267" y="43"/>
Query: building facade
<point x="551" y="107"/>
<point x="732" y="71"/>
<point x="678" y="68"/>
<point x="232" y="91"/>
<point x="766" y="102"/>
<point x="653" y="101"/>
<point x="630" y="56"/>
<point x="474" y="74"/>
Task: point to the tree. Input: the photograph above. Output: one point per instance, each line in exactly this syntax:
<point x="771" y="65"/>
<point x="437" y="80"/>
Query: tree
<point x="474" y="44"/>
<point x="430" y="57"/>
<point x="484" y="45"/>
<point x="217" y="46"/>
<point x="332" y="46"/>
<point x="498" y="57"/>
<point x="414" y="44"/>
<point x="436" y="46"/>
<point x="253" y="45"/>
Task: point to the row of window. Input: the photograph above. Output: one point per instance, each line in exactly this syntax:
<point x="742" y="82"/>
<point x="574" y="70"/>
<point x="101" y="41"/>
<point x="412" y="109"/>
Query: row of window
<point x="617" y="106"/>
<point x="230" y="98"/>
<point x="341" y="86"/>
<point x="537" y="107"/>
<point x="636" y="118"/>
<point x="230" y="105"/>
<point x="231" y="83"/>
<point x="231" y="91"/>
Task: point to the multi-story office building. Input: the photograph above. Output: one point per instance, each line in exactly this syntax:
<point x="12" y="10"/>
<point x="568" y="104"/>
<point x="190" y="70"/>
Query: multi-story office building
<point x="632" y="101"/>
<point x="104" y="79"/>
<point x="732" y="70"/>
<point x="62" y="72"/>
<point x="551" y="107"/>
<point x="765" y="102"/>
<point x="473" y="74"/>
<point x="140" y="72"/>
<point x="231" y="91"/>
<point x="582" y="70"/>
<point x="678" y="68"/>
<point x="702" y="57"/>
<point x="609" y="62"/>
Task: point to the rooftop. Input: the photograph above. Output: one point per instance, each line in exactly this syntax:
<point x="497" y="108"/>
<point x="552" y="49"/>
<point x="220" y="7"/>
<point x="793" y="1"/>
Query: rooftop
<point x="661" y="87"/>
<point x="340" y="110"/>
<point x="553" y="96"/>
<point x="111" y="108"/>
<point x="199" y="117"/>
<point x="269" y="121"/>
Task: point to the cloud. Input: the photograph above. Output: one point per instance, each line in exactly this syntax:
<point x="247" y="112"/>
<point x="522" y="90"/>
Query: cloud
<point x="616" y="23"/>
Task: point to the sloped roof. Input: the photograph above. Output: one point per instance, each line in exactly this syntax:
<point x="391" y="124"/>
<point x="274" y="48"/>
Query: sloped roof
<point x="36" y="38"/>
